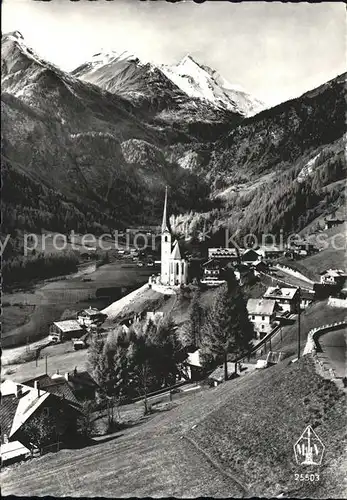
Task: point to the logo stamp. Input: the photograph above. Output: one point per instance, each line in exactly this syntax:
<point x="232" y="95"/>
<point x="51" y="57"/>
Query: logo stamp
<point x="309" y="448"/>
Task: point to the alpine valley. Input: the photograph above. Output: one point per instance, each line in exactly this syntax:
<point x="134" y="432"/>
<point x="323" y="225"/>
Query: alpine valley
<point x="92" y="150"/>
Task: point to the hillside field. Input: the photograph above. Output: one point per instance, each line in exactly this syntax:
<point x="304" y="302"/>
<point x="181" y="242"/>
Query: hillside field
<point x="241" y="432"/>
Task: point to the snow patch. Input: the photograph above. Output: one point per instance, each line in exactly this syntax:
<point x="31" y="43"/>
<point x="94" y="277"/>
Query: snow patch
<point x="307" y="170"/>
<point x="188" y="160"/>
<point x="202" y="82"/>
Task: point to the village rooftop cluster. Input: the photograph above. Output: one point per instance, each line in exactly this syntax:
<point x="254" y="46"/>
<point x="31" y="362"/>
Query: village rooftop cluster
<point x="63" y="395"/>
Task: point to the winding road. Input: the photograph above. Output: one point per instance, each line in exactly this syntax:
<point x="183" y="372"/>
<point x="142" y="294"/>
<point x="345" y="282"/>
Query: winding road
<point x="333" y="344"/>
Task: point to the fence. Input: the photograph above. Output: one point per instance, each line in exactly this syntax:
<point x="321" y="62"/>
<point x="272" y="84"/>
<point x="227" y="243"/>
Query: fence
<point x="313" y="334"/>
<point x="294" y="273"/>
<point x="282" y="282"/>
<point x="261" y="346"/>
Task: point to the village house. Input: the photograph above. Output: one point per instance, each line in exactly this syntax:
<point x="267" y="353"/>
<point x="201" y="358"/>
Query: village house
<point x="217" y="376"/>
<point x="250" y="256"/>
<point x="333" y="277"/>
<point x="82" y="385"/>
<point x="56" y="384"/>
<point x="301" y="249"/>
<point x="91" y="317"/>
<point x="154" y="316"/>
<point x="332" y="222"/>
<point x="65" y="330"/>
<point x="74" y="386"/>
<point x="20" y="404"/>
<point x="306" y="298"/>
<point x="287" y="298"/>
<point x="259" y="267"/>
<point x="212" y="273"/>
<point x="224" y="255"/>
<point x="244" y="274"/>
<point x="309" y="248"/>
<point x="271" y="252"/>
<point x="262" y="313"/>
<point x="194" y="366"/>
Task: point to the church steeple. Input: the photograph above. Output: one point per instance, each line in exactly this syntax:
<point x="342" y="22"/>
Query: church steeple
<point x="164" y="225"/>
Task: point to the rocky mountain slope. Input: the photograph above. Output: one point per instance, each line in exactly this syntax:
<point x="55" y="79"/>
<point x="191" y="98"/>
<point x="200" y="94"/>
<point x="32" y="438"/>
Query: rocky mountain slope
<point x="200" y="81"/>
<point x="100" y="154"/>
<point x="187" y="85"/>
<point x="107" y="138"/>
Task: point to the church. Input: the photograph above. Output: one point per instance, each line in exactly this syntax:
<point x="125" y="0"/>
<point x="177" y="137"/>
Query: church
<point x="174" y="269"/>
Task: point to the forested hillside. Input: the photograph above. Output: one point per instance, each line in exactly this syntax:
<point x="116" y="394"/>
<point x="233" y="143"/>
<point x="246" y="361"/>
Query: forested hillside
<point x="76" y="156"/>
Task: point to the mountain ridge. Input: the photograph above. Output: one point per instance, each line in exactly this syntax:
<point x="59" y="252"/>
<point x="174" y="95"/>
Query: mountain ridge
<point x="107" y="69"/>
<point x="111" y="155"/>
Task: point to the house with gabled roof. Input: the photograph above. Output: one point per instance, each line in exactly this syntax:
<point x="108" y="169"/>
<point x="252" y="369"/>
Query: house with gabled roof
<point x="262" y="313"/>
<point x="91" y="317"/>
<point x="286" y="298"/>
<point x="73" y="387"/>
<point x="212" y="273"/>
<point x="21" y="404"/>
<point x="251" y="255"/>
<point x="336" y="277"/>
<point x="65" y="330"/>
<point x="271" y="252"/>
<point x="224" y="254"/>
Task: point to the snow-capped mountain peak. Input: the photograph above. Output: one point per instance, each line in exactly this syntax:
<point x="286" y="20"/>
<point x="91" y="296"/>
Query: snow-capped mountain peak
<point x="111" y="69"/>
<point x="202" y="82"/>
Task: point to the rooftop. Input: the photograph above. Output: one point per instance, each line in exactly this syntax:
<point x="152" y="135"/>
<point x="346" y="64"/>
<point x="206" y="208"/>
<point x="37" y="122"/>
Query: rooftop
<point x="58" y="386"/>
<point x="194" y="358"/>
<point x="218" y="373"/>
<point x="265" y="307"/>
<point x="18" y="408"/>
<point x="12" y="450"/>
<point x="222" y="252"/>
<point x="91" y="311"/>
<point x="176" y="254"/>
<point x="280" y="293"/>
<point x="211" y="263"/>
<point x="334" y="272"/>
<point x="68" y="325"/>
<point x="270" y="248"/>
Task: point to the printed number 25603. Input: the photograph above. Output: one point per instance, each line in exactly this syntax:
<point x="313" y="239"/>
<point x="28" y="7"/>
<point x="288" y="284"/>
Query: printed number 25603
<point x="307" y="477"/>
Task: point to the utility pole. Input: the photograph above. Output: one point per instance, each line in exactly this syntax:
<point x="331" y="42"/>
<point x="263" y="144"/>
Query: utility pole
<point x="299" y="314"/>
<point x="46" y="363"/>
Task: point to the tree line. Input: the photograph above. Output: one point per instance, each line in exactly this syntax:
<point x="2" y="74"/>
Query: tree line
<point x="153" y="355"/>
<point x="22" y="269"/>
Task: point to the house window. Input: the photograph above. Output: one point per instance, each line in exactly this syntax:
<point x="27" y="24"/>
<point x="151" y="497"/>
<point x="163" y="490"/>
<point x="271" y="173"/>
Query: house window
<point x="253" y="317"/>
<point x="177" y="268"/>
<point x="263" y="318"/>
<point x="262" y="327"/>
<point x="165" y="239"/>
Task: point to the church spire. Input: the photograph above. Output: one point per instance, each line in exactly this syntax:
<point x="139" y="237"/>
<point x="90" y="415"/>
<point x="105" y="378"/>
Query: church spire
<point x="164" y="225"/>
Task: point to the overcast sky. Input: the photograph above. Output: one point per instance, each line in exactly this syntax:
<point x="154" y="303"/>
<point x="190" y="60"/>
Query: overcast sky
<point x="275" y="51"/>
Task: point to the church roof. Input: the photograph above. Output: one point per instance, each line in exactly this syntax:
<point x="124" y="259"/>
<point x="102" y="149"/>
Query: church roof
<point x="176" y="254"/>
<point x="164" y="224"/>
